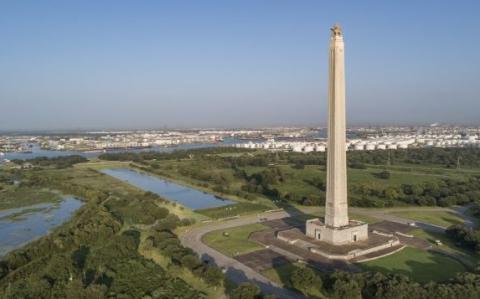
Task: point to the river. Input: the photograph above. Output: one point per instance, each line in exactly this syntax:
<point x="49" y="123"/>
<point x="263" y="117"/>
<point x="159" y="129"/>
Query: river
<point x="22" y="225"/>
<point x="184" y="195"/>
<point x="36" y="151"/>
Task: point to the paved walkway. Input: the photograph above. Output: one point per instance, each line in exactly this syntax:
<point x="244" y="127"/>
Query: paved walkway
<point x="239" y="272"/>
<point x="236" y="271"/>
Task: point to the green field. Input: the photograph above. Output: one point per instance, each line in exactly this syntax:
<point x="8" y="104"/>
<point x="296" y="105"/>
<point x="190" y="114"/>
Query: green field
<point x="297" y="180"/>
<point x="234" y="241"/>
<point x="440" y="218"/>
<point x="240" y="208"/>
<point x="16" y="197"/>
<point x="468" y="257"/>
<point x="419" y="265"/>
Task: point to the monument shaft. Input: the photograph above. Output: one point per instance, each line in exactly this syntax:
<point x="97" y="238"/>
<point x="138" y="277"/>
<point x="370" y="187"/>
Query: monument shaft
<point x="336" y="210"/>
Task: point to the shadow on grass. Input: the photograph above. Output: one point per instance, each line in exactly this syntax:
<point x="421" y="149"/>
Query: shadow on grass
<point x="438" y="268"/>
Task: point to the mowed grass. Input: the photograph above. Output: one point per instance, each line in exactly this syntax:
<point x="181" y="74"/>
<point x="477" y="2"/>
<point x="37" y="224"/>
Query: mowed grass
<point x="234" y="241"/>
<point x="240" y="208"/>
<point x="440" y="218"/>
<point x="419" y="265"/>
<point x="467" y="256"/>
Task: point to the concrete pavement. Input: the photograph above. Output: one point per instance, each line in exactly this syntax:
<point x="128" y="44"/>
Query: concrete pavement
<point x="239" y="272"/>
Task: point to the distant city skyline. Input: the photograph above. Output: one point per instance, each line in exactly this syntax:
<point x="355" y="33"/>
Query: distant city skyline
<point x="216" y="64"/>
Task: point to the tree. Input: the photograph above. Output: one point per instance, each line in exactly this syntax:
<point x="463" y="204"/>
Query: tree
<point x="168" y="223"/>
<point x="246" y="291"/>
<point x="385" y="175"/>
<point x="447" y="201"/>
<point x="346" y="289"/>
<point x="304" y="279"/>
<point x="190" y="261"/>
<point x="213" y="276"/>
<point x="391" y="193"/>
<point x="3" y="269"/>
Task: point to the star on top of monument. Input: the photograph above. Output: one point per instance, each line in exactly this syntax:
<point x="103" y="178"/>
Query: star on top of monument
<point x="336" y="30"/>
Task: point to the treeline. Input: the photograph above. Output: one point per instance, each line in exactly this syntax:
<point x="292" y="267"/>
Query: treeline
<point x="169" y="245"/>
<point x="467" y="237"/>
<point x="445" y="157"/>
<point x="438" y="192"/>
<point x="369" y="285"/>
<point x="443" y="192"/>
<point x="93" y="255"/>
<point x="176" y="154"/>
<point x="448" y="157"/>
<point x="376" y="285"/>
<point x="56" y="162"/>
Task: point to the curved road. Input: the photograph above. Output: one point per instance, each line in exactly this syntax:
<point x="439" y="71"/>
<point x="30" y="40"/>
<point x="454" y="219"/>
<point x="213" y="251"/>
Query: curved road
<point x="238" y="272"/>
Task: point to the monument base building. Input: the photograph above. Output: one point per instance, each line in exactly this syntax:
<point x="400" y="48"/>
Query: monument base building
<point x="355" y="231"/>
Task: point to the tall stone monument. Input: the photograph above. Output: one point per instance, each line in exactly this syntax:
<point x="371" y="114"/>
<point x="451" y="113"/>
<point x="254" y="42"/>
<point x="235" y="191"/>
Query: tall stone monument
<point x="336" y="228"/>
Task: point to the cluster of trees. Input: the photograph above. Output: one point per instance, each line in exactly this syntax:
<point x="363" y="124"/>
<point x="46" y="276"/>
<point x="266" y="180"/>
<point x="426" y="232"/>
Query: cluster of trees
<point x="261" y="182"/>
<point x="56" y="162"/>
<point x="444" y="192"/>
<point x="376" y="285"/>
<point x="465" y="237"/>
<point x="306" y="280"/>
<point x="249" y="290"/>
<point x="439" y="192"/>
<point x="95" y="255"/>
<point x="448" y="157"/>
<point x="143" y="210"/>
<point x="177" y="154"/>
<point x="169" y="245"/>
<point x="369" y="285"/>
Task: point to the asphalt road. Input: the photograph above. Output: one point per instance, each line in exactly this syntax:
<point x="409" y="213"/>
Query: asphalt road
<point x="238" y="272"/>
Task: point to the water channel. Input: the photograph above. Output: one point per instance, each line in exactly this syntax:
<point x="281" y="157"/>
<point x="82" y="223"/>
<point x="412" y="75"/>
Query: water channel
<point x="184" y="195"/>
<point x="19" y="226"/>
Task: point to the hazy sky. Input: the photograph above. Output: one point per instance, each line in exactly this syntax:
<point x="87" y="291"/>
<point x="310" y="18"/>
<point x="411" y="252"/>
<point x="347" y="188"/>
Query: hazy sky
<point x="125" y="64"/>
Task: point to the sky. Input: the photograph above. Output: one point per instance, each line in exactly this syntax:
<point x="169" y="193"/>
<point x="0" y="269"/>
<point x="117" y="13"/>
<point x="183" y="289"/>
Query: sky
<point x="245" y="63"/>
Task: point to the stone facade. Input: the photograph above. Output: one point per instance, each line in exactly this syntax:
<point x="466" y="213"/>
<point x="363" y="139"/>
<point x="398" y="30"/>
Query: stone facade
<point x="337" y="228"/>
<point x="336" y="207"/>
<point x="355" y="231"/>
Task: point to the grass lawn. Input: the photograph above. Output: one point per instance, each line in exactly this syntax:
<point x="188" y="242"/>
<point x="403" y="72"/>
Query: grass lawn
<point x="441" y="218"/>
<point x="234" y="241"/>
<point x="240" y="208"/>
<point x="364" y="218"/>
<point x="281" y="275"/>
<point x="467" y="256"/>
<point x="419" y="265"/>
